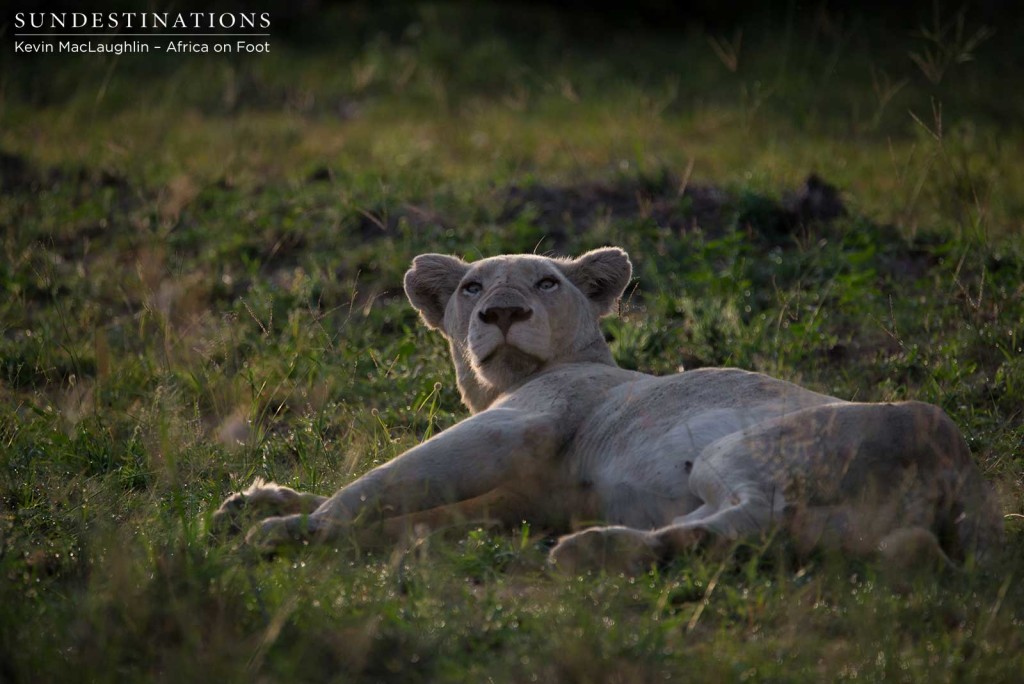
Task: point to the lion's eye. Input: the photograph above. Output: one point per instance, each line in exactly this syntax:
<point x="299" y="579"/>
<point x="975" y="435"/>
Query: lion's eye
<point x="472" y="288"/>
<point x="547" y="284"/>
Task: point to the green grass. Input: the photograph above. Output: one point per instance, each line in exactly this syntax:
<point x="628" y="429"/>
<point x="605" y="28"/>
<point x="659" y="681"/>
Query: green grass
<point x="201" y="269"/>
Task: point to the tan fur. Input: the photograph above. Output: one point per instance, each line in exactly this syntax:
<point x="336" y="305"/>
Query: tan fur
<point x="563" y="438"/>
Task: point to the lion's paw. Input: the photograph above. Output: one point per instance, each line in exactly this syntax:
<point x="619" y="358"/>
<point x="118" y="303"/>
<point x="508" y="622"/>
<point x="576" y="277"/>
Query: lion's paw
<point x="276" y="534"/>
<point x="611" y="549"/>
<point x="226" y="520"/>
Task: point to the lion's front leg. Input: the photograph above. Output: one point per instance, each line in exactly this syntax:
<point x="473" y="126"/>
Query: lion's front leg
<point x="495" y="508"/>
<point x="464" y="463"/>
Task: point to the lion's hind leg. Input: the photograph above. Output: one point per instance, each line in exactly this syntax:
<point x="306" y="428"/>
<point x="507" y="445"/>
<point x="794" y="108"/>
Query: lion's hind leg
<point x="888" y="480"/>
<point x="900" y="546"/>
<point x="262" y="499"/>
<point x="909" y="549"/>
<point x="900" y="550"/>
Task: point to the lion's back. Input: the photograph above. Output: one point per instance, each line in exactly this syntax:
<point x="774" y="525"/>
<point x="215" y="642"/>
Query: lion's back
<point x="703" y="404"/>
<point x="636" y="447"/>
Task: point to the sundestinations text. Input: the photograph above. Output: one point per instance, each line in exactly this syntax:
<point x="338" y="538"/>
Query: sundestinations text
<point x="142" y="20"/>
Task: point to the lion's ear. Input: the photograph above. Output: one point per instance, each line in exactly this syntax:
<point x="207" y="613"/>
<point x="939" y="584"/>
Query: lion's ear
<point x="601" y="275"/>
<point x="430" y="283"/>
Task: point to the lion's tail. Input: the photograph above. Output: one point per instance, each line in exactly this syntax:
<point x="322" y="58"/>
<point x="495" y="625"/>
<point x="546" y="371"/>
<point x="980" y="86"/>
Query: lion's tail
<point x="977" y="520"/>
<point x="979" y="527"/>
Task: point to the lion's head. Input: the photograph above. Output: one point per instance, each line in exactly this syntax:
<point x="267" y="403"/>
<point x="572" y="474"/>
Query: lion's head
<point x="511" y="316"/>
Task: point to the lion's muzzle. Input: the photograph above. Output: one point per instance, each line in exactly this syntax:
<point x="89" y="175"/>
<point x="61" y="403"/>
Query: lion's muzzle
<point x="505" y="316"/>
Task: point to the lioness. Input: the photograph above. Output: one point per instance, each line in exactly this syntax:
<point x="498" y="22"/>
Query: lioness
<point x="561" y="437"/>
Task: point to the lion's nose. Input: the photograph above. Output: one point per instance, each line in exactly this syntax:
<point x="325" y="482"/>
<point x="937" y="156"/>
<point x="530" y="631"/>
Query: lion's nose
<point x="505" y="316"/>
